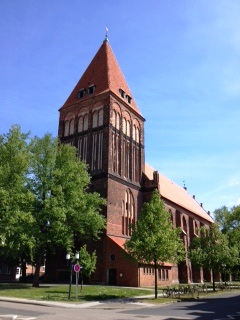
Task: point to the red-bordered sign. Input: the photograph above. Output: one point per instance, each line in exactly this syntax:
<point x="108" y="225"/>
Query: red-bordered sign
<point x="77" y="267"/>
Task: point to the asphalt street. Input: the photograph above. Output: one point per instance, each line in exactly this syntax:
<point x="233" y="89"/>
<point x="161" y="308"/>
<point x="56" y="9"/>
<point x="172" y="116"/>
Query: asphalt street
<point x="220" y="307"/>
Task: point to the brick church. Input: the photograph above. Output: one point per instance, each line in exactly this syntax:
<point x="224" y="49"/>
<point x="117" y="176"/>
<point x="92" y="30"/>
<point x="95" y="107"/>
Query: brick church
<point x="102" y="120"/>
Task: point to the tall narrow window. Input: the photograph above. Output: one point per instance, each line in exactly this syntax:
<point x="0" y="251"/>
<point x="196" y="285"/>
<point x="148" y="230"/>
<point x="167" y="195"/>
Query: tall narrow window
<point x="128" y="213"/>
<point x="82" y="148"/>
<point x="97" y="151"/>
<point x="66" y="129"/>
<point x="115" y="121"/>
<point x="71" y="129"/>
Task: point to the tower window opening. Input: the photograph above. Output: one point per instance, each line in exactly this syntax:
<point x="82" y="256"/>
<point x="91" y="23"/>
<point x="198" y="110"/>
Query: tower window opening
<point x="81" y="93"/>
<point x="122" y="93"/>
<point x="91" y="89"/>
<point x="129" y="99"/>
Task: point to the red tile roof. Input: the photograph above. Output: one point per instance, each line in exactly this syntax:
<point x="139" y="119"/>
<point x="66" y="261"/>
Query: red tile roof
<point x="176" y="194"/>
<point x="121" y="241"/>
<point x="105" y="73"/>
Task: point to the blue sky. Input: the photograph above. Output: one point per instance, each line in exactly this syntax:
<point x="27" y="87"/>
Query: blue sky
<point x="181" y="60"/>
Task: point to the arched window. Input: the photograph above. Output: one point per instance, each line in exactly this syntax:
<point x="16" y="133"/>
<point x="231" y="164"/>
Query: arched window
<point x="128" y="213"/>
<point x="97" y="118"/>
<point x="80" y="124"/>
<point x="124" y="126"/>
<point x="66" y="129"/>
<point x="115" y="120"/>
<point x="100" y="117"/>
<point x="118" y="121"/>
<point x="71" y="129"/>
<point x="85" y="122"/>
<point x="128" y="129"/>
<point x="195" y="228"/>
<point x="185" y="232"/>
<point x="97" y="141"/>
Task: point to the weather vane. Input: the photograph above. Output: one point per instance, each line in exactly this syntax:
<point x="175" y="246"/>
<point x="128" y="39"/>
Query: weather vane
<point x="106" y="36"/>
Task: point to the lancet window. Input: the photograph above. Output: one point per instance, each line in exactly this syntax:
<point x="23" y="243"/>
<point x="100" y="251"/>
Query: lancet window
<point x="128" y="213"/>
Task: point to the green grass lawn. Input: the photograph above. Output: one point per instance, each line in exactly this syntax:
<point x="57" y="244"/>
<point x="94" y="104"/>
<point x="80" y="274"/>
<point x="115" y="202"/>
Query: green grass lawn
<point x="60" y="293"/>
<point x="88" y="293"/>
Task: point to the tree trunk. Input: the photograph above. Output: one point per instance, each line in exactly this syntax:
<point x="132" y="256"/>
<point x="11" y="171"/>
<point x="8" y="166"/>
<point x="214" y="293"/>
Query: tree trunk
<point x="213" y="275"/>
<point x="24" y="267"/>
<point x="155" y="278"/>
<point x="37" y="271"/>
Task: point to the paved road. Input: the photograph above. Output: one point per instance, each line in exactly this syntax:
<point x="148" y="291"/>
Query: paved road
<point x="221" y="307"/>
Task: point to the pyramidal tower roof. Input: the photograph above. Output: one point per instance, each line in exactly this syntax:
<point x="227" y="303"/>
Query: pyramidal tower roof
<point x="105" y="75"/>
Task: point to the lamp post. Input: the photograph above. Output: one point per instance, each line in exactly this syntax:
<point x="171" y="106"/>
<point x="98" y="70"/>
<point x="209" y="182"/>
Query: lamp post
<point x="224" y="268"/>
<point x="68" y="257"/>
<point x="71" y="266"/>
<point x="76" y="269"/>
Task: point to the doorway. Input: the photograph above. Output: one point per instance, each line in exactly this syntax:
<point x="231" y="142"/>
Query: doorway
<point x="112" y="277"/>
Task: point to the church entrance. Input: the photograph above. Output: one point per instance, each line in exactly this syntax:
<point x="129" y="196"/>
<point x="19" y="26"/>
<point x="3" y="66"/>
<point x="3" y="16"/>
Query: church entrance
<point x="112" y="277"/>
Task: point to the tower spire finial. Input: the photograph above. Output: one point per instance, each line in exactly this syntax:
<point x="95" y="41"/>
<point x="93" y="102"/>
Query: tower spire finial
<point x="106" y="36"/>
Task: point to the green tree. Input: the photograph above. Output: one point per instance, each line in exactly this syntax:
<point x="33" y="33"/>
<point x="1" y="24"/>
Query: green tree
<point x="229" y="221"/>
<point x="87" y="262"/>
<point x="211" y="251"/>
<point x="154" y="239"/>
<point x="221" y="216"/>
<point x="15" y="199"/>
<point x="63" y="209"/>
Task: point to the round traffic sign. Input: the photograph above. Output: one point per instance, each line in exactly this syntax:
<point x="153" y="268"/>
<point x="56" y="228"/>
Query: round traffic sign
<point x="77" y="267"/>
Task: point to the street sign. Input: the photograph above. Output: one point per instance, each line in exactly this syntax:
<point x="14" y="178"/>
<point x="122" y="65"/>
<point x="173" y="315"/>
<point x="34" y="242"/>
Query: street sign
<point x="77" y="267"/>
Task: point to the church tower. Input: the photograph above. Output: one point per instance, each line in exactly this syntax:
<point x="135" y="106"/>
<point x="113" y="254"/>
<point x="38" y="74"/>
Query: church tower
<point x="101" y="119"/>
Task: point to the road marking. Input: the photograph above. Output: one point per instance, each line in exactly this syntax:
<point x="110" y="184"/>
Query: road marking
<point x="15" y="317"/>
<point x="231" y="316"/>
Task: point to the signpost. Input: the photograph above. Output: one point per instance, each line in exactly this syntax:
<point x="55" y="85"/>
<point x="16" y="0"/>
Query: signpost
<point x="77" y="269"/>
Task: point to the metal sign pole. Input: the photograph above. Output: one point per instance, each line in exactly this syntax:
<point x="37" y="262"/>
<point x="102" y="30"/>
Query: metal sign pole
<point x="76" y="285"/>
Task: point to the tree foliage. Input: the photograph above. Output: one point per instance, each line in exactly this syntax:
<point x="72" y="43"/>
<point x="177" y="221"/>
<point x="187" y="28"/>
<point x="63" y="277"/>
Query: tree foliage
<point x="211" y="251"/>
<point x="15" y="199"/>
<point x="154" y="239"/>
<point x="44" y="198"/>
<point x="229" y="222"/>
<point x="87" y="261"/>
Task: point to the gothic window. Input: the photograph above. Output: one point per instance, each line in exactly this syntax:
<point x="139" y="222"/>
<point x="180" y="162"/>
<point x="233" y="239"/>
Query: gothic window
<point x="97" y="118"/>
<point x="184" y="232"/>
<point x="118" y="121"/>
<point x="80" y="124"/>
<point x="114" y="118"/>
<point x="128" y="213"/>
<point x="171" y="215"/>
<point x="126" y="127"/>
<point x="85" y="122"/>
<point x="126" y="148"/>
<point x="66" y="129"/>
<point x="97" y="146"/>
<point x="195" y="228"/>
<point x="135" y="154"/>
<point x="126" y="158"/>
<point x="137" y="135"/>
<point x="82" y="147"/>
<point x="115" y="152"/>
<point x="115" y="142"/>
<point x="71" y="127"/>
<point x="100" y="118"/>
